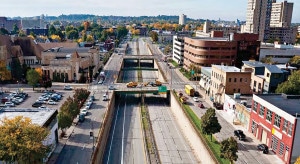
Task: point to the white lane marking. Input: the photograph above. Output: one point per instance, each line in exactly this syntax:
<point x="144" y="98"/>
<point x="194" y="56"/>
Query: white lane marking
<point x="113" y="135"/>
<point x="123" y="133"/>
<point x="83" y="147"/>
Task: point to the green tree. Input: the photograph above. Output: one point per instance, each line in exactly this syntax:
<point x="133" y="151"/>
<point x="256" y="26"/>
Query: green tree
<point x="15" y="29"/>
<point x="33" y="77"/>
<point x="154" y="36"/>
<point x="229" y="148"/>
<point x="72" y="34"/>
<point x="16" y="69"/>
<point x="210" y="124"/>
<point x="64" y="121"/>
<point x="52" y="30"/>
<point x="267" y="60"/>
<point x="21" y="33"/>
<point x="291" y="86"/>
<point x="3" y="31"/>
<point x="22" y="141"/>
<point x="295" y="60"/>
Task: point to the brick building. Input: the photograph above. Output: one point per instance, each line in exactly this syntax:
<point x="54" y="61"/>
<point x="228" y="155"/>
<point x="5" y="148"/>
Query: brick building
<point x="274" y="121"/>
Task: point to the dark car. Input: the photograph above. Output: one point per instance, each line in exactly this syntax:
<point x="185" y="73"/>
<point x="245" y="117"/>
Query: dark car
<point x="218" y="106"/>
<point x="37" y="104"/>
<point x="263" y="147"/>
<point x="239" y="134"/>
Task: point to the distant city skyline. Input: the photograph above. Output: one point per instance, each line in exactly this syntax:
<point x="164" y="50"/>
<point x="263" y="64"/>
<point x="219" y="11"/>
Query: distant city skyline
<point x="213" y="9"/>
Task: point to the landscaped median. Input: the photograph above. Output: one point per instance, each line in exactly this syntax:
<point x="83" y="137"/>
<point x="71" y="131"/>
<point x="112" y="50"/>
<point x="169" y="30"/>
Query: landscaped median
<point x="212" y="146"/>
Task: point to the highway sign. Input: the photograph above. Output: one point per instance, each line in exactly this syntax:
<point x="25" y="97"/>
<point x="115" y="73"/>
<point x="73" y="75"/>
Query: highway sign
<point x="162" y="89"/>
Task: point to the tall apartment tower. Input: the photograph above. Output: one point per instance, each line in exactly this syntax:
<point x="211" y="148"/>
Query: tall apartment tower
<point x="281" y="15"/>
<point x="258" y="18"/>
<point x="182" y="19"/>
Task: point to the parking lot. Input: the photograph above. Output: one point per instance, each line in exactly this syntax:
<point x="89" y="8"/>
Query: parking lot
<point x="34" y="96"/>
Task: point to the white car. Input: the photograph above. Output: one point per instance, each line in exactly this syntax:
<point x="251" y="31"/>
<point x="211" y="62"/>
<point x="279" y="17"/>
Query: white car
<point x="67" y="87"/>
<point x="51" y="102"/>
<point x="84" y="111"/>
<point x="105" y="97"/>
<point x="196" y="99"/>
<point x="111" y="87"/>
<point x="100" y="81"/>
<point x="9" y="104"/>
<point x="42" y="107"/>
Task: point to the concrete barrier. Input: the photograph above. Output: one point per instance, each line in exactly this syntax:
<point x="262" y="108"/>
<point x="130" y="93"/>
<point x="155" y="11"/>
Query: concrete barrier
<point x="198" y="146"/>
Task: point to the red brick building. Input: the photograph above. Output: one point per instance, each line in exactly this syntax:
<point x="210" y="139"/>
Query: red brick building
<point x="273" y="121"/>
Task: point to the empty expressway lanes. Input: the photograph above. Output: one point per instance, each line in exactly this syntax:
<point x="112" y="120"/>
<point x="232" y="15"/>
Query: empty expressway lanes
<point x="126" y="141"/>
<point x="171" y="144"/>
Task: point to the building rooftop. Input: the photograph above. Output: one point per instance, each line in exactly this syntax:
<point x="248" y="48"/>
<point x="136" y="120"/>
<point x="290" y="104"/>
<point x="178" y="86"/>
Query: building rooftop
<point x="273" y="68"/>
<point x="37" y="116"/>
<point x="254" y="63"/>
<point x="284" y="66"/>
<point x="227" y="68"/>
<point x="287" y="103"/>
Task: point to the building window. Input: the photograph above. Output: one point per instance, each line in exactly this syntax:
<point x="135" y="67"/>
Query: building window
<point x="234" y="90"/>
<point x="234" y="79"/>
<point x="285" y="125"/>
<point x="255" y="107"/>
<point x="241" y="79"/>
<point x="290" y="130"/>
<point x="269" y="115"/>
<point x="239" y="90"/>
<point x="254" y="83"/>
<point x="246" y="80"/>
<point x="277" y="120"/>
<point x="262" y="111"/>
<point x="229" y="79"/>
<point x="281" y="148"/>
<point x="274" y="143"/>
<point x="268" y="75"/>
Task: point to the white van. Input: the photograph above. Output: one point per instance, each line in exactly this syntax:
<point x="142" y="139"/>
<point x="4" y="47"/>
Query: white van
<point x="105" y="97"/>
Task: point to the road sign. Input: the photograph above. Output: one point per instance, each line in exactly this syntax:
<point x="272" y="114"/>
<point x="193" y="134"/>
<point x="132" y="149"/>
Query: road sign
<point x="162" y="89"/>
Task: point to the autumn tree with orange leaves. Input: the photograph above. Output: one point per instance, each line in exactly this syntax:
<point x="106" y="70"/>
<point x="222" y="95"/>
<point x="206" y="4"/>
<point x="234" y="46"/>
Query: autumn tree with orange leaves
<point x="22" y="141"/>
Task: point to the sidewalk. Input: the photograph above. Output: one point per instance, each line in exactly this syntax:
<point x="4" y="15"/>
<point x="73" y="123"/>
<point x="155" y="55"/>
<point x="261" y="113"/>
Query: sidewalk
<point x="61" y="144"/>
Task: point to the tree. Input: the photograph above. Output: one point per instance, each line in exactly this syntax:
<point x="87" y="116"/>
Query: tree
<point x="72" y="34"/>
<point x="16" y="69"/>
<point x="210" y="124"/>
<point x="267" y="60"/>
<point x="297" y="161"/>
<point x="22" y="141"/>
<point x="291" y="86"/>
<point x="33" y="77"/>
<point x="154" y="36"/>
<point x="295" y="60"/>
<point x="52" y="30"/>
<point x="3" y="31"/>
<point x="229" y="148"/>
<point x="64" y="121"/>
<point x="15" y="29"/>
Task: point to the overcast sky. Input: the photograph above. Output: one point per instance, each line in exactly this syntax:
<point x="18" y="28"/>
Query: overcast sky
<point x="204" y="9"/>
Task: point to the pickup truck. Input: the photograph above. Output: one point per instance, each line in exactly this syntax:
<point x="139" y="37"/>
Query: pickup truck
<point x="239" y="134"/>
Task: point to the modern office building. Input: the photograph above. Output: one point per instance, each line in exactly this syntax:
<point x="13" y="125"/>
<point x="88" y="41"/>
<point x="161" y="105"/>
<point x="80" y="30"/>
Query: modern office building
<point x="281" y="15"/>
<point x="182" y="19"/>
<point x="274" y="121"/>
<point x="228" y="80"/>
<point x="178" y="49"/>
<point x="258" y="18"/>
<point x="207" y="51"/>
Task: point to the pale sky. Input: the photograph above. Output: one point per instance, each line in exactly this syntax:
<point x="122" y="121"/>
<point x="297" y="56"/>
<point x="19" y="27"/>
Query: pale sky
<point x="197" y="9"/>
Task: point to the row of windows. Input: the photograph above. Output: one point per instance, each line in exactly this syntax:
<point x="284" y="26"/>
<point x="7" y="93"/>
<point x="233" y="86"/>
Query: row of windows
<point x="275" y="144"/>
<point x="210" y="48"/>
<point x="235" y="80"/>
<point x="210" y="56"/>
<point x="278" y="121"/>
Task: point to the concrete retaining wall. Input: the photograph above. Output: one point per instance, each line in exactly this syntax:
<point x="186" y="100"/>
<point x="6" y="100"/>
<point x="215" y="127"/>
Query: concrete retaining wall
<point x="104" y="131"/>
<point x="191" y="135"/>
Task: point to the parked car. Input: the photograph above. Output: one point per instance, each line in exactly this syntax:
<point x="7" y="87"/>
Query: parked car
<point x="37" y="104"/>
<point x="239" y="134"/>
<point x="196" y="99"/>
<point x="67" y="87"/>
<point x="263" y="147"/>
<point x="100" y="81"/>
<point x="9" y="104"/>
<point x="111" y="87"/>
<point x="201" y="105"/>
<point x="218" y="106"/>
<point x="84" y="111"/>
<point x="105" y="97"/>
<point x="81" y="117"/>
<point x="51" y="102"/>
<point x="42" y="107"/>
